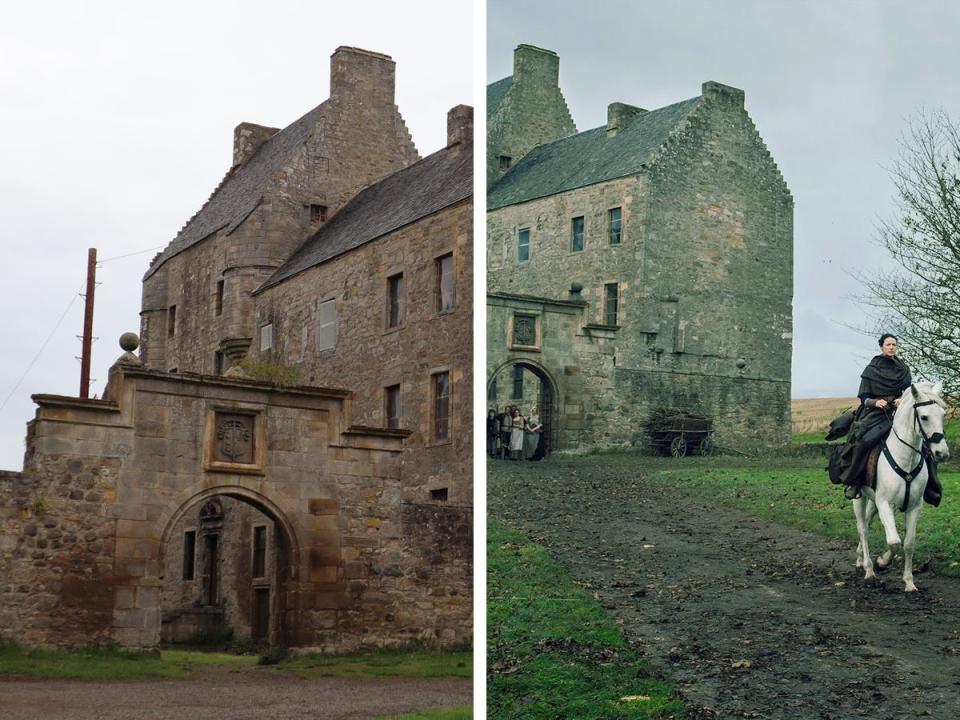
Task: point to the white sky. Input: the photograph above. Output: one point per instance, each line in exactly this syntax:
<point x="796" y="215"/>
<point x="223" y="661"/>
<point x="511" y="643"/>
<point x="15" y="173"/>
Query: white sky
<point x="116" y="124"/>
<point x="829" y="84"/>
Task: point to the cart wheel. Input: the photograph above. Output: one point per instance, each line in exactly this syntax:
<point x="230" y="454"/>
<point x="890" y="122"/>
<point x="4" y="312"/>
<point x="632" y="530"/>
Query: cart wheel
<point x="706" y="445"/>
<point x="678" y="447"/>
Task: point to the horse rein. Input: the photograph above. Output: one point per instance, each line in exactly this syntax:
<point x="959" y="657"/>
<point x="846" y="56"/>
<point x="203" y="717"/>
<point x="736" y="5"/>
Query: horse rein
<point x="909" y="477"/>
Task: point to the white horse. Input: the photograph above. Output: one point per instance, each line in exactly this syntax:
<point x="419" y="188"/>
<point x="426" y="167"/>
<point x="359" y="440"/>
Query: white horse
<point x="902" y="476"/>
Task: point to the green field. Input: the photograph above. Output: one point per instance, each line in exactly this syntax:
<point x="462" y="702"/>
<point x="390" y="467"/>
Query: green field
<point x="553" y="652"/>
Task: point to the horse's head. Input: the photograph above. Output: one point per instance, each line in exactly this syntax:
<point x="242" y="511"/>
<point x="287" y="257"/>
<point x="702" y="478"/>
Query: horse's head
<point x="927" y="405"/>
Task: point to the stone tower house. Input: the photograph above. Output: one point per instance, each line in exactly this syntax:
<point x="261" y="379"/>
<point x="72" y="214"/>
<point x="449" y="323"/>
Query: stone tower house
<point x="641" y="266"/>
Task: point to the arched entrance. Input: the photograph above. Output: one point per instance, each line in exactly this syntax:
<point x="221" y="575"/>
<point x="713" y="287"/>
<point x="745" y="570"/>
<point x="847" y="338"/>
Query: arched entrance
<point x="526" y="384"/>
<point x="227" y="564"/>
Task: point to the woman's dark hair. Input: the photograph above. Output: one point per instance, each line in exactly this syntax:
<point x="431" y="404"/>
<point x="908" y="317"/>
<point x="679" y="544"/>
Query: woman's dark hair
<point x="884" y="337"/>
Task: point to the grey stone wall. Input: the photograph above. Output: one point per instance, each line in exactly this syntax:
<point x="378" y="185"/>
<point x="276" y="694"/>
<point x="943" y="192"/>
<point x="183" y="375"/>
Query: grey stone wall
<point x="704" y="273"/>
<point x="532" y="112"/>
<point x="369" y="356"/>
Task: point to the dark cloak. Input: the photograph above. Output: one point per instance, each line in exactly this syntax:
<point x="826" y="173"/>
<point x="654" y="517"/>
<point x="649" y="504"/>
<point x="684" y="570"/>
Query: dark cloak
<point x="884" y="377"/>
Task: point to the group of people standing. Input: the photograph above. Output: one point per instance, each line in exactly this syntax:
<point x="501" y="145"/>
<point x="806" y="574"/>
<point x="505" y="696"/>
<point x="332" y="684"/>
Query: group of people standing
<point x="512" y="436"/>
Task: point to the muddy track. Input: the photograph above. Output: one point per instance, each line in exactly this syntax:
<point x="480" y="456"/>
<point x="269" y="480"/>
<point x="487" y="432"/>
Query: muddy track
<point x="746" y="617"/>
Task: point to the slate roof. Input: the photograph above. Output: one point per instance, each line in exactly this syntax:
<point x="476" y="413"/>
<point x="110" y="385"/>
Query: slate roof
<point x="495" y="94"/>
<point x="241" y="189"/>
<point x="588" y="157"/>
<point x="427" y="186"/>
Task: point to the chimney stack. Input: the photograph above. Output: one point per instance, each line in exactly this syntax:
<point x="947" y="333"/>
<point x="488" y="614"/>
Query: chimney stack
<point x="361" y="73"/>
<point x="247" y="139"/>
<point x="618" y="115"/>
<point x="459" y="127"/>
<point x="537" y="65"/>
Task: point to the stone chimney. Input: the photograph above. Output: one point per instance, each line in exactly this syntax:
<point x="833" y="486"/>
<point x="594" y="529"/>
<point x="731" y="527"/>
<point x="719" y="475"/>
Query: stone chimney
<point x="618" y="115"/>
<point x="720" y="93"/>
<point x="361" y="73"/>
<point x="536" y="65"/>
<point x="247" y="139"/>
<point x="459" y="127"/>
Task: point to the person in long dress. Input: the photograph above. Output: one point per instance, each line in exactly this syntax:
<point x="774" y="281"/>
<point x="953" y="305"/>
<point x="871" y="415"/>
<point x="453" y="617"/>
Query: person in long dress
<point x="531" y="439"/>
<point x="517" y="426"/>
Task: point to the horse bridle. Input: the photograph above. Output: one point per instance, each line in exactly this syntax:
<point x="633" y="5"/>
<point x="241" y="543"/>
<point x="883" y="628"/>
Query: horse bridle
<point x="927" y="440"/>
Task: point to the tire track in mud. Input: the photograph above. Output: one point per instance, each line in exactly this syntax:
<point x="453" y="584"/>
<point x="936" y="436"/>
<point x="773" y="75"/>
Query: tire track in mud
<point x="746" y="617"/>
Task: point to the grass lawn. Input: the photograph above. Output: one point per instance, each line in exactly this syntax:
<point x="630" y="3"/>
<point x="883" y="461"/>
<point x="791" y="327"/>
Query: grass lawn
<point x="112" y="664"/>
<point x="457" y="713"/>
<point x="804" y="497"/>
<point x="552" y="650"/>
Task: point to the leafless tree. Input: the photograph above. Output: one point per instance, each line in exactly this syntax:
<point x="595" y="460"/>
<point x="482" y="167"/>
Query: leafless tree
<point x="919" y="301"/>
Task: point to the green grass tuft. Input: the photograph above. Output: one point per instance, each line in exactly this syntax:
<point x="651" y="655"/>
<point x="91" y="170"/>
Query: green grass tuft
<point x="553" y="651"/>
<point x="456" y="713"/>
<point x="382" y="663"/>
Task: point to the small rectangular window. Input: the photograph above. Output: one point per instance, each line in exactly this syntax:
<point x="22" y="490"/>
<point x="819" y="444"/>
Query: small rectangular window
<point x="395" y="300"/>
<point x="576" y="234"/>
<point x="219" y="301"/>
<point x="259" y="551"/>
<point x="518" y="382"/>
<point x="445" y="283"/>
<point x="266" y="336"/>
<point x="611" y="304"/>
<point x="505" y="162"/>
<point x="391" y="403"/>
<point x="189" y="553"/>
<point x="327" y="325"/>
<point x="218" y="362"/>
<point x="614" y="217"/>
<point x="171" y="321"/>
<point x="523" y="245"/>
<point x="441" y="406"/>
<point x="318" y="213"/>
<point x="439" y="495"/>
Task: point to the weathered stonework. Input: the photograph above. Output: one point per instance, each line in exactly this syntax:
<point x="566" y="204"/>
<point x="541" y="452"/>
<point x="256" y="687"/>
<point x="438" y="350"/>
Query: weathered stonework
<point x="94" y="523"/>
<point x="702" y="268"/>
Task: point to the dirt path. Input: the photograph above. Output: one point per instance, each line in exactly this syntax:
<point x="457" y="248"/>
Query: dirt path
<point x="747" y="618"/>
<point x="277" y="698"/>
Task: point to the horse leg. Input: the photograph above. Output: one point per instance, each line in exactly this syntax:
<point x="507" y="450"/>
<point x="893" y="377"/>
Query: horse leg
<point x="909" y="535"/>
<point x="861" y="512"/>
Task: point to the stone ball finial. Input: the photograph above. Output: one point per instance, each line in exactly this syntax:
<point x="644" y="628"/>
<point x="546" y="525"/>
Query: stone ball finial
<point x="741" y="363"/>
<point x="129" y="341"/>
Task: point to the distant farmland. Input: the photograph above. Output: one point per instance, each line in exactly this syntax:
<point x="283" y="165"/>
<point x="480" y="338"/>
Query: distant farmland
<point x="813" y="415"/>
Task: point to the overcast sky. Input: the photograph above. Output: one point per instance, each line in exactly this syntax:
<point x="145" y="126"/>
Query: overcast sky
<point x="116" y="124"/>
<point x="830" y="85"/>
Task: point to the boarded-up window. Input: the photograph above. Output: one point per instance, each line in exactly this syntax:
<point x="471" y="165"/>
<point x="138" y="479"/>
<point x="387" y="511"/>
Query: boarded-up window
<point x="441" y="406"/>
<point x="327" y="325"/>
<point x="445" y="283"/>
<point x="392" y="406"/>
<point x="259" y="551"/>
<point x="395" y="300"/>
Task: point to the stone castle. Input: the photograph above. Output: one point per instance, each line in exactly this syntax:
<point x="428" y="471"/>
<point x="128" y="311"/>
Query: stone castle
<point x="289" y="457"/>
<point x="640" y="267"/>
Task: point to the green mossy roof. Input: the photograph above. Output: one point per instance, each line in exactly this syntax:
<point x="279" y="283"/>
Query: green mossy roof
<point x="588" y="157"/>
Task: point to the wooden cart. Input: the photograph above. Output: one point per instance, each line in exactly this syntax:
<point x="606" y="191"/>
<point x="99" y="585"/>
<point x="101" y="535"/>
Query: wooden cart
<point x="674" y="432"/>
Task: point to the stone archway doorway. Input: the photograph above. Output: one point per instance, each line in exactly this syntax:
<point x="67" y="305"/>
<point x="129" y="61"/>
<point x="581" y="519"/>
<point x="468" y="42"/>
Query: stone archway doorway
<point x="525" y="384"/>
<point x="228" y="571"/>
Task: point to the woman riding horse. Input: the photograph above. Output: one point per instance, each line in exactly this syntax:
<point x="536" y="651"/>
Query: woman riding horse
<point x="881" y="384"/>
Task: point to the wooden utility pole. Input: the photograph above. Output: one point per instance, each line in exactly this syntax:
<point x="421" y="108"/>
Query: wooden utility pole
<point x="88" y="323"/>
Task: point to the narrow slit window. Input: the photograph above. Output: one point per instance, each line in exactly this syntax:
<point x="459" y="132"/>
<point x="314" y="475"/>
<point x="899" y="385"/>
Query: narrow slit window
<point x="172" y="321"/>
<point x="395" y="300"/>
<point x="615" y="222"/>
<point x="392" y="408"/>
<point x="266" y="336"/>
<point x="523" y="245"/>
<point x="445" y="293"/>
<point x="327" y="325"/>
<point x="441" y="406"/>
<point x="612" y="303"/>
<point x="189" y="553"/>
<point x="259" y="551"/>
<point x="576" y="234"/>
<point x="219" y="300"/>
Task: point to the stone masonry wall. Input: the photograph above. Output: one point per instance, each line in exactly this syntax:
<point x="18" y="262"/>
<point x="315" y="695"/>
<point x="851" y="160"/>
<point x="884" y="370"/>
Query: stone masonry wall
<point x="369" y="357"/>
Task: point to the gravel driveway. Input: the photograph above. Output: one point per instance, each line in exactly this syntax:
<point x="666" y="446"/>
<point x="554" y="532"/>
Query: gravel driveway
<point x="222" y="699"/>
